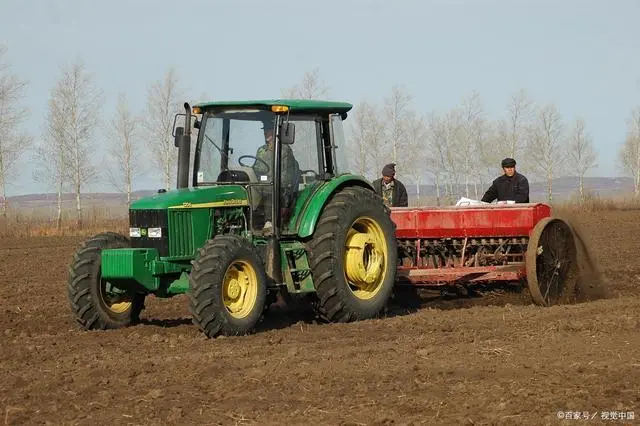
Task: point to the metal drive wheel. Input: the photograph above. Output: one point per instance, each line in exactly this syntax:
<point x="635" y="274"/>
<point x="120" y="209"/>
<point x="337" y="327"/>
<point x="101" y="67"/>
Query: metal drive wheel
<point x="551" y="262"/>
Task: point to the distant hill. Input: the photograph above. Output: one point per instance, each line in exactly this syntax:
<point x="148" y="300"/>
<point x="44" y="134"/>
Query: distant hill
<point x="563" y="189"/>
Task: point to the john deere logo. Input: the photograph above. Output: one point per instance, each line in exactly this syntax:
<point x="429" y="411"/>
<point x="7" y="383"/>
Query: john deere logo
<point x="186" y="204"/>
<point x="143" y="232"/>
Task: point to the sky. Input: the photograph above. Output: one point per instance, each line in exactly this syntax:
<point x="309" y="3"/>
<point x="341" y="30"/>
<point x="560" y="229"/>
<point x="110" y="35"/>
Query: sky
<point x="581" y="55"/>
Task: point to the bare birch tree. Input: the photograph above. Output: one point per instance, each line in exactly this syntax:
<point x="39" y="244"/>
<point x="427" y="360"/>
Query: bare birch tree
<point x="546" y="150"/>
<point x="124" y="151"/>
<point x="630" y="151"/>
<point x="581" y="154"/>
<point x="471" y="138"/>
<point x="52" y="153"/>
<point x="491" y="153"/>
<point x="13" y="141"/>
<point x="311" y="87"/>
<point x="362" y="125"/>
<point x="396" y="108"/>
<point x="163" y="102"/>
<point x="81" y="101"/>
<point x="443" y="135"/>
<point x="417" y="156"/>
<point x="515" y="127"/>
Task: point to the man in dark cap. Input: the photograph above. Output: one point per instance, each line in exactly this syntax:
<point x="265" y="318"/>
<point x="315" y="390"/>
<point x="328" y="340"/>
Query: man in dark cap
<point x="392" y="191"/>
<point x="511" y="186"/>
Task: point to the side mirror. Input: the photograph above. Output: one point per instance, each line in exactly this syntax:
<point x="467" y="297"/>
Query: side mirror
<point x="178" y="136"/>
<point x="287" y="133"/>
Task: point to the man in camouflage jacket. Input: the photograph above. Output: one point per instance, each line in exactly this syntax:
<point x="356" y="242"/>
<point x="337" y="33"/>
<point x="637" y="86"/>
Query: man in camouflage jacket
<point x="392" y="191"/>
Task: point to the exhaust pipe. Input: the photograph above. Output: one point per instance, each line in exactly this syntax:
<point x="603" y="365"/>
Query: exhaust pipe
<point x="184" y="150"/>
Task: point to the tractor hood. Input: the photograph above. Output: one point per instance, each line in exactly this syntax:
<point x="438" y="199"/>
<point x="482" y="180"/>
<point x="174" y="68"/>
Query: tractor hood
<point x="209" y="196"/>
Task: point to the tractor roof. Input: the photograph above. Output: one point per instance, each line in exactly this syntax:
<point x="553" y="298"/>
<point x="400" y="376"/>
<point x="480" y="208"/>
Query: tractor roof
<point x="295" y="105"/>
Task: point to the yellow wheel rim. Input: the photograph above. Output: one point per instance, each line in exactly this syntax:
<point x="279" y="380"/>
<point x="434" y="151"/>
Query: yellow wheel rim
<point x="240" y="289"/>
<point x="118" y="303"/>
<point x="365" y="261"/>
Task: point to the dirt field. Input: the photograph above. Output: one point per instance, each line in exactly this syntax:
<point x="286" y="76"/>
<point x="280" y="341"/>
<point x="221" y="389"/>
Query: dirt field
<point x="492" y="360"/>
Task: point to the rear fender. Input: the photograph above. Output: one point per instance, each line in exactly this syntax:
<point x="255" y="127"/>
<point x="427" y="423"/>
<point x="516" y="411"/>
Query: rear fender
<point x="314" y="205"/>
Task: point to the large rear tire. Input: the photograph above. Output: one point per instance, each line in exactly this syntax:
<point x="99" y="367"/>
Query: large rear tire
<point x="95" y="303"/>
<point x="353" y="256"/>
<point x="228" y="287"/>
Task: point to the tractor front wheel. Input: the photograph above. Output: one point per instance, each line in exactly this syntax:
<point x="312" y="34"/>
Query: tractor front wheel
<point x="228" y="287"/>
<point x="353" y="256"/>
<point x="95" y="303"/>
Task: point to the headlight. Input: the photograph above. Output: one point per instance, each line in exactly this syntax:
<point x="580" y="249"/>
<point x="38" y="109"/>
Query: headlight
<point x="134" y="232"/>
<point x="155" y="232"/>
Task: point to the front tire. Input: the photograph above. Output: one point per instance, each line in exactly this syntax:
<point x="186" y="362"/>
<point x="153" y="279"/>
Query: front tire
<point x="228" y="287"/>
<point x="353" y="256"/>
<point x="95" y="303"/>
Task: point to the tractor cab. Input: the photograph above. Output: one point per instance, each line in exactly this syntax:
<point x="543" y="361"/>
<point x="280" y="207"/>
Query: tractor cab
<point x="280" y="151"/>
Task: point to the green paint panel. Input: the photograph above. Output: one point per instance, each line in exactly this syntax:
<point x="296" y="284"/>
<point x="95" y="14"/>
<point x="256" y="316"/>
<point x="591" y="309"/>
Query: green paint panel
<point x="179" y="286"/>
<point x="166" y="267"/>
<point x="130" y="264"/>
<point x="306" y="221"/>
<point x="295" y="267"/>
<point x="188" y="230"/>
<point x="295" y="105"/>
<point x="198" y="195"/>
<point x="302" y="200"/>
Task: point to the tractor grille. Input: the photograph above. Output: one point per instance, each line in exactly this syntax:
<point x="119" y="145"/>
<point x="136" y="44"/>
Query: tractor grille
<point x="145" y="219"/>
<point x="181" y="240"/>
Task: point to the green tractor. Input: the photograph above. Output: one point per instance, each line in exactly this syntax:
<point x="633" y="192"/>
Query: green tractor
<point x="267" y="210"/>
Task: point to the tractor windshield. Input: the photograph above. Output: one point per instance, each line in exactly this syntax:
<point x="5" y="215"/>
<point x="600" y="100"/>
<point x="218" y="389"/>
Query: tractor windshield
<point x="235" y="146"/>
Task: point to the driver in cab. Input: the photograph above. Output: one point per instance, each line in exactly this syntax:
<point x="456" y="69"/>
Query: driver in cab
<point x="265" y="155"/>
<point x="264" y="164"/>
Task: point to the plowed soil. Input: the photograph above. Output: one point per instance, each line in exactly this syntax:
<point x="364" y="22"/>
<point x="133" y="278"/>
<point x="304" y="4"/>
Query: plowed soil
<point x="494" y="359"/>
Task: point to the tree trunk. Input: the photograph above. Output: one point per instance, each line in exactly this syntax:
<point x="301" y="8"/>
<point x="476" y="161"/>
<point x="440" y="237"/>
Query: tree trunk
<point x="4" y="199"/>
<point x="59" y="216"/>
<point x="167" y="172"/>
<point x="78" y="207"/>
<point x="437" y="190"/>
<point x="4" y="187"/>
<point x="129" y="187"/>
<point x="362" y="158"/>
<point x="78" y="185"/>
<point x="466" y="184"/>
<point x="581" y="188"/>
<point x="550" y="187"/>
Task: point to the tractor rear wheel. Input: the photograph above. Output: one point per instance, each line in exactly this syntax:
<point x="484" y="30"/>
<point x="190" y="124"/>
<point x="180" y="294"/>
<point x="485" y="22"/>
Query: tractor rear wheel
<point x="551" y="262"/>
<point x="228" y="287"/>
<point x="353" y="256"/>
<point x="95" y="303"/>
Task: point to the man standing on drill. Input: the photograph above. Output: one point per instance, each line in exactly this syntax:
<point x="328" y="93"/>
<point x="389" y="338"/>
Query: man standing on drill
<point x="392" y="191"/>
<point x="511" y="186"/>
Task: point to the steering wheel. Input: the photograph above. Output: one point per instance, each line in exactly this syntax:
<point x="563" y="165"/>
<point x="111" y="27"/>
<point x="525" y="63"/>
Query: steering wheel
<point x="304" y="172"/>
<point x="255" y="159"/>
